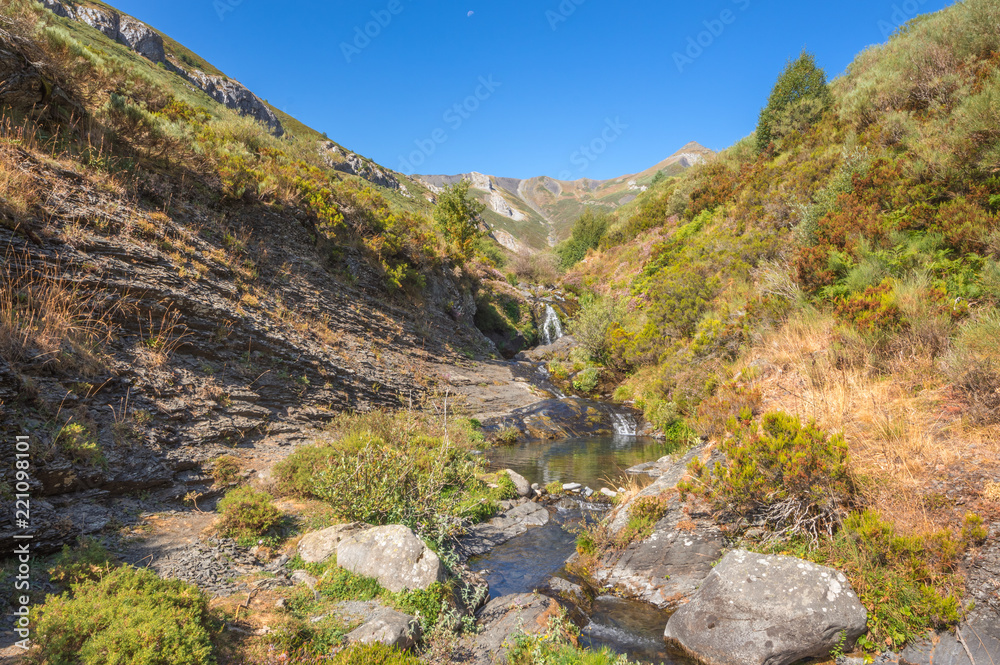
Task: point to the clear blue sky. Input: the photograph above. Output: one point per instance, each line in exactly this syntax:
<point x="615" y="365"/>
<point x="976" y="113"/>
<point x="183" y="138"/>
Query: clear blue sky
<point x="562" y="74"/>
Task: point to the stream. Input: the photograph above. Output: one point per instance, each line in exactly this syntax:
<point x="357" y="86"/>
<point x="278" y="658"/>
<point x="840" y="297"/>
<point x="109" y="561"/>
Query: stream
<point x="527" y="562"/>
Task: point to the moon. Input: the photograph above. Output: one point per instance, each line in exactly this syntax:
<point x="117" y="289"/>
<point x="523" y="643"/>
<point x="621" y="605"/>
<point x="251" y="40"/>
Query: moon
<point x="471" y="13"/>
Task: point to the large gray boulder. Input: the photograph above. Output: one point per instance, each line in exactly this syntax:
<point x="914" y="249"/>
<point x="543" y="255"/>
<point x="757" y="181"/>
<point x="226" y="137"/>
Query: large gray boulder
<point x="319" y="546"/>
<point x="387" y="626"/>
<point x="394" y="556"/>
<point x="755" y="609"/>
<point x="520" y="483"/>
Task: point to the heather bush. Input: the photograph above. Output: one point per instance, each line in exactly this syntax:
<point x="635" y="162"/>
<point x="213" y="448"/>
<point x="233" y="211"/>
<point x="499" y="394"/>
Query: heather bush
<point x="247" y="515"/>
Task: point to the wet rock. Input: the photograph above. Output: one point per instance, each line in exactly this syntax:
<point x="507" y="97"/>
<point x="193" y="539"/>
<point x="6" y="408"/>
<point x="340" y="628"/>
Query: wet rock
<point x="393" y="555"/>
<point x="319" y="546"/>
<point x="571" y="487"/>
<point x="666" y="568"/>
<point x="524" y="489"/>
<point x="981" y="635"/>
<point x="387" y="626"/>
<point x="755" y="609"/>
<point x="481" y="538"/>
<point x="526" y="613"/>
<point x="558" y="419"/>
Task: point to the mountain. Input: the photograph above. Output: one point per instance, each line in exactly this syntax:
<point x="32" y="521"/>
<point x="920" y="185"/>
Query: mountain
<point x="539" y="212"/>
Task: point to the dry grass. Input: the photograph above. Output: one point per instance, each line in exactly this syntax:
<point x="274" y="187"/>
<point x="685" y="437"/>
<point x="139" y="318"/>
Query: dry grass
<point x="46" y="317"/>
<point x="902" y="430"/>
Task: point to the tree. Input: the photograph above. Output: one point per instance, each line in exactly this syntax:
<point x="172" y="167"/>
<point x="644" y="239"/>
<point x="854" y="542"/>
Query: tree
<point x="659" y="177"/>
<point x="801" y="80"/>
<point x="588" y="231"/>
<point x="457" y="216"/>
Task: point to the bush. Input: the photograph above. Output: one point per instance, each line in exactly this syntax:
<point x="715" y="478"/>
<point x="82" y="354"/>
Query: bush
<point x="801" y="80"/>
<point x="88" y="562"/>
<point x="79" y="442"/>
<point x="873" y="313"/>
<point x="587" y="233"/>
<point x="643" y="515"/>
<point x="587" y="381"/>
<point x="128" y="616"/>
<point x="457" y="217"/>
<point x="247" y="515"/>
<point x="592" y="325"/>
<point x="226" y="469"/>
<point x="792" y="477"/>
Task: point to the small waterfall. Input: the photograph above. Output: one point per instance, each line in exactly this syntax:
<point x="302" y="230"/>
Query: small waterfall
<point x="625" y="424"/>
<point x="551" y="328"/>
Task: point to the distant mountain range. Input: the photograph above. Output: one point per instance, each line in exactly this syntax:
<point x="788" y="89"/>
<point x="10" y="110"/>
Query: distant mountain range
<point x="539" y="212"/>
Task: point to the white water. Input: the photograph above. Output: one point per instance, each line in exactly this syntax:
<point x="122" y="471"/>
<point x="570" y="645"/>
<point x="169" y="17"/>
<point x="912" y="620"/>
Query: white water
<point x="551" y="328"/>
<point x="625" y="425"/>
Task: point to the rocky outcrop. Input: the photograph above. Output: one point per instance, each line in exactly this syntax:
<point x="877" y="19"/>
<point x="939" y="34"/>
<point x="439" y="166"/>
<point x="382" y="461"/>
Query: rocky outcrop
<point x="666" y="568"/>
<point x="236" y="96"/>
<point x="348" y="162"/>
<point x="393" y="555"/>
<point x="482" y="538"/>
<point x="319" y="546"/>
<point x="496" y="202"/>
<point x="559" y="419"/>
<point x="121" y="28"/>
<point x="755" y="609"/>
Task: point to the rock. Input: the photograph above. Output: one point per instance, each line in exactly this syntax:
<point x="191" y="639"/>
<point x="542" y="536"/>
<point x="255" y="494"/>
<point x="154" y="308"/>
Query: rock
<point x="981" y="635"/>
<point x="523" y="488"/>
<point x="389" y="627"/>
<point x="303" y="577"/>
<point x="121" y="28"/>
<point x="526" y="613"/>
<point x="393" y="555"/>
<point x="587" y="492"/>
<point x="281" y="604"/>
<point x="319" y="546"/>
<point x="236" y="96"/>
<point x="608" y="493"/>
<point x="755" y="609"/>
<point x="571" y="487"/>
<point x="669" y="565"/>
<point x="481" y="538"/>
<point x="348" y="162"/>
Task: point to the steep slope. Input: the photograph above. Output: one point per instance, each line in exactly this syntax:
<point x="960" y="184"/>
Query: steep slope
<point x="540" y="211"/>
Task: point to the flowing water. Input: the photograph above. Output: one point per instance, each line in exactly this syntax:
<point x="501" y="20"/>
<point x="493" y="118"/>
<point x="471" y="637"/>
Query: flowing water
<point x="525" y="563"/>
<point x="551" y="328"/>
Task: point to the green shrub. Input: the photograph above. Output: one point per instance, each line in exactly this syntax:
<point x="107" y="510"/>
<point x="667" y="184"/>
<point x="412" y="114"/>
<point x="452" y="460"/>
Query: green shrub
<point x="247" y="515"/>
<point x="873" y="313"/>
<point x="587" y="381"/>
<point x="79" y="442"/>
<point x="795" y="476"/>
<point x="128" y="616"/>
<point x="374" y="654"/>
<point x="226" y="469"/>
<point x="87" y="562"/>
<point x="801" y="80"/>
<point x="587" y="233"/>
<point x="643" y="515"/>
<point x="295" y="475"/>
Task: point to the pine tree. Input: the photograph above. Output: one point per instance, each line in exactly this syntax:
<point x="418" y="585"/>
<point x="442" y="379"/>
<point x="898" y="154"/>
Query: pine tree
<point x="802" y="79"/>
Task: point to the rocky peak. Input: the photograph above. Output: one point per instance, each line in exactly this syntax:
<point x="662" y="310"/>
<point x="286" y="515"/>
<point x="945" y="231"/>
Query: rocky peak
<point x="121" y="28"/>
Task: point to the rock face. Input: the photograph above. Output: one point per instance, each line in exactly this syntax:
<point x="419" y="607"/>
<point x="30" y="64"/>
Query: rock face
<point x="233" y="94"/>
<point x="387" y="626"/>
<point x="767" y="610"/>
<point x="393" y="555"/>
<point x="666" y="568"/>
<point x="319" y="546"/>
<point x="496" y="202"/>
<point x="349" y="162"/>
<point x="121" y="28"/>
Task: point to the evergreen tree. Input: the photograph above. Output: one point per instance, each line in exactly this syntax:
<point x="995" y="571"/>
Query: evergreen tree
<point x="801" y="80"/>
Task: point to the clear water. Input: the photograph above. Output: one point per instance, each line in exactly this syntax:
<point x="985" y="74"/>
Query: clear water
<point x="526" y="563"/>
<point x="594" y="462"/>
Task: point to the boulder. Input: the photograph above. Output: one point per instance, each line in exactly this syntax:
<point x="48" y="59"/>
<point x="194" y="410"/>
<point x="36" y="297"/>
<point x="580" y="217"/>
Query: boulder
<point x="980" y="636"/>
<point x="319" y="546"/>
<point x="755" y="609"/>
<point x="393" y="555"/>
<point x="387" y="626"/>
<point x="522" y="485"/>
<point x="525" y="613"/>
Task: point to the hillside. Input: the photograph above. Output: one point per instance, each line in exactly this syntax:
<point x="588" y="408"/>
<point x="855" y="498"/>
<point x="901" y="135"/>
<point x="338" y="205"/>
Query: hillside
<point x="539" y="212"/>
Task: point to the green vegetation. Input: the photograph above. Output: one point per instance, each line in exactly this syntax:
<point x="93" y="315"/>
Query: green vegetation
<point x="795" y="477"/>
<point x="398" y="468"/>
<point x="587" y="233"/>
<point x="79" y="442"/>
<point x="457" y="217"/>
<point x="226" y="469"/>
<point x="248" y="515"/>
<point x="798" y="99"/>
<point x="129" y="615"/>
<point x="557" y="645"/>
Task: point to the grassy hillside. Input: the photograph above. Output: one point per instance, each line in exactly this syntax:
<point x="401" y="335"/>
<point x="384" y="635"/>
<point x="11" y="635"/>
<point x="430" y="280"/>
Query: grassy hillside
<point x="847" y="272"/>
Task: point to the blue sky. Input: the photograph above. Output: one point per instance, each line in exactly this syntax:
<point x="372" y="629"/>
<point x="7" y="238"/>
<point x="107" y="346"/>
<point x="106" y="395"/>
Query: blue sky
<point x="535" y="82"/>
